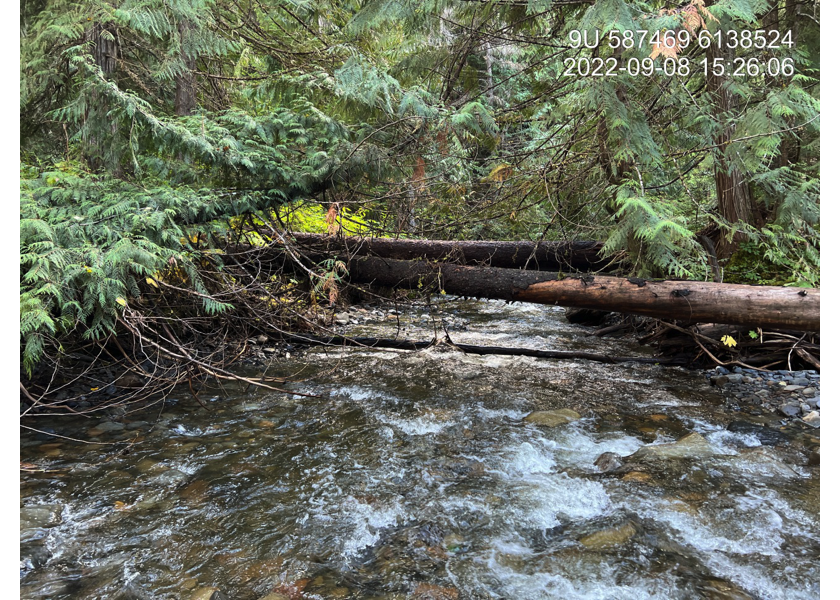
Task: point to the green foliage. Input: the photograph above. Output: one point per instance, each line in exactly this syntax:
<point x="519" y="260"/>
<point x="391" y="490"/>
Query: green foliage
<point x="773" y="256"/>
<point x="660" y="242"/>
<point x="437" y="118"/>
<point x="314" y="218"/>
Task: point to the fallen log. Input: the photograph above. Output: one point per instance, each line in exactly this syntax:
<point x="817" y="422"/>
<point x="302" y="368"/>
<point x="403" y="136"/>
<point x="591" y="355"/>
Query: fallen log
<point x="688" y="301"/>
<point x="536" y="256"/>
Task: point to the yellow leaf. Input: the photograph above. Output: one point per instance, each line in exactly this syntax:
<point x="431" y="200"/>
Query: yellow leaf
<point x="121" y="301"/>
<point x="151" y="281"/>
<point x="500" y="173"/>
<point x="728" y="340"/>
<point x="94" y="389"/>
<point x="120" y="505"/>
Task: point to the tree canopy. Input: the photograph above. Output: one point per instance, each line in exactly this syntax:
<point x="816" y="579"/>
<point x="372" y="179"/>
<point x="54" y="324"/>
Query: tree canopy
<point x="152" y="129"/>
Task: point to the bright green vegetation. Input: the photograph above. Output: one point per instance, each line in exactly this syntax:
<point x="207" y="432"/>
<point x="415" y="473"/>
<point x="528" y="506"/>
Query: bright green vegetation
<point x="153" y="128"/>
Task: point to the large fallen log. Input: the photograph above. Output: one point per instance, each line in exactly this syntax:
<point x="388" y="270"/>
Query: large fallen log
<point x="688" y="301"/>
<point x="536" y="256"/>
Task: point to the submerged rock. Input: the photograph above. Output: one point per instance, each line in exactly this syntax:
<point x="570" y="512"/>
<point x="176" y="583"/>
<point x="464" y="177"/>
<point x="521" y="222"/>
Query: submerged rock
<point x="814" y="457"/>
<point x="693" y="445"/>
<point x="195" y="492"/>
<point x="428" y="591"/>
<point x="608" y="461"/>
<point x="109" y="426"/>
<point x="169" y="478"/>
<point x="208" y="593"/>
<point x="552" y="418"/>
<point x="44" y="515"/>
<point x="766" y="435"/>
<point x="717" y="589"/>
<point x="607" y="538"/>
<point x="761" y="461"/>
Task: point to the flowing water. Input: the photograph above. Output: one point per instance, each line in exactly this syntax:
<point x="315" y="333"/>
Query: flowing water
<point x="416" y="475"/>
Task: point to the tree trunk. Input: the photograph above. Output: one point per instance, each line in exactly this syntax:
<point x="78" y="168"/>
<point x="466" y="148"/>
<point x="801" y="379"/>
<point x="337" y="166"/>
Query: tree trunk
<point x="105" y="53"/>
<point x="735" y="203"/>
<point x="545" y="256"/>
<point x="105" y="49"/>
<point x="185" y="92"/>
<point x="690" y="301"/>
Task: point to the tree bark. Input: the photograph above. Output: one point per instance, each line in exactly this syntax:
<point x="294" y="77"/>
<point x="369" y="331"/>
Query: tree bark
<point x="105" y="47"/>
<point x="538" y="256"/>
<point x="185" y="92"/>
<point x="734" y="200"/>
<point x="689" y="301"/>
<point x="105" y="54"/>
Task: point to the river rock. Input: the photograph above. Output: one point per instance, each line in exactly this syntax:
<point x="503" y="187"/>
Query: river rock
<point x="723" y="590"/>
<point x="637" y="477"/>
<point x="761" y="461"/>
<point x="814" y="457"/>
<point x="552" y="418"/>
<point x="170" y="477"/>
<point x="43" y="515"/>
<point x="607" y="538"/>
<point x="342" y="318"/>
<point x="608" y="461"/>
<point x="766" y="435"/>
<point x="195" y="492"/>
<point x="208" y="593"/>
<point x="693" y="445"/>
<point x="790" y="409"/>
<point x="273" y="596"/>
<point x="454" y="542"/>
<point x="109" y="426"/>
<point x="812" y="418"/>
<point x="428" y="591"/>
<point x="130" y="380"/>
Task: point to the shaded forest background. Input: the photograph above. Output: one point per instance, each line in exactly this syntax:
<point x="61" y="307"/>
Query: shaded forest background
<point x="158" y="134"/>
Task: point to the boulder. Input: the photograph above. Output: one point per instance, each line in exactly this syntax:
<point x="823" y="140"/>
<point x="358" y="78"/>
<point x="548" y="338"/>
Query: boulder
<point x="693" y="445"/>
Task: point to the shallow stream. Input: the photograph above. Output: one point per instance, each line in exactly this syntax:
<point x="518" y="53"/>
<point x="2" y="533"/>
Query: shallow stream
<point x="420" y="475"/>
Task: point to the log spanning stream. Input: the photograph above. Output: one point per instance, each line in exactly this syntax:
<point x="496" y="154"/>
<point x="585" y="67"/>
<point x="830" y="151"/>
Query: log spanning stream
<point x="428" y="474"/>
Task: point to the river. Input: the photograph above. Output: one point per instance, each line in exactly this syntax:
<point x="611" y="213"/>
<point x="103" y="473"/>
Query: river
<point x="421" y="475"/>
